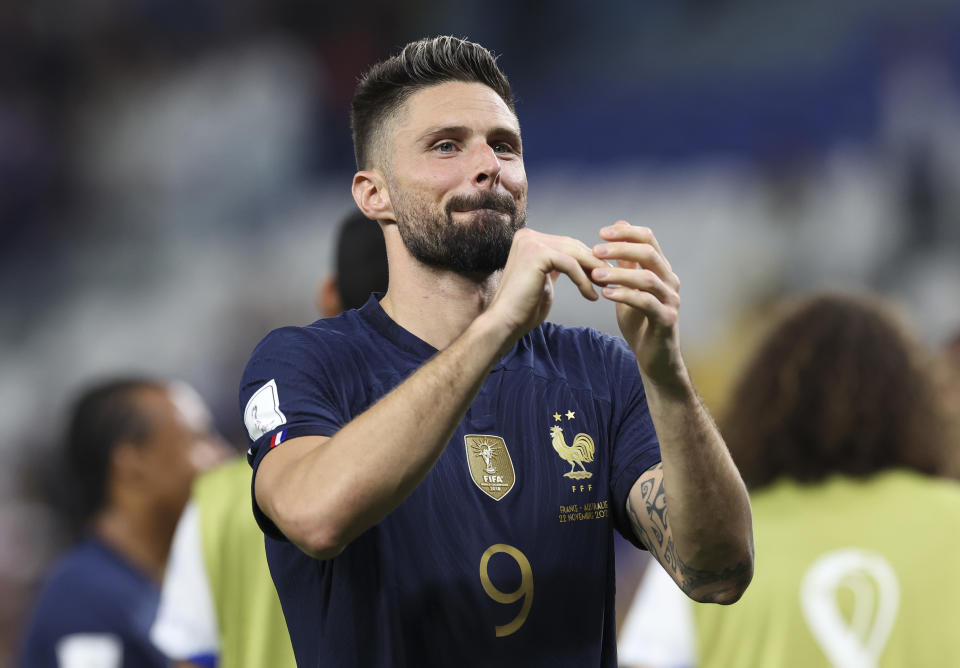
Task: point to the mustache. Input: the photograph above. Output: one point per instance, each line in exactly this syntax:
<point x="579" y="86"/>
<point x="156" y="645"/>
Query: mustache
<point x="485" y="200"/>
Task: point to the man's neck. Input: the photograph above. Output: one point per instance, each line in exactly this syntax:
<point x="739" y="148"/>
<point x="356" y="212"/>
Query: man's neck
<point x="140" y="542"/>
<point x="435" y="305"/>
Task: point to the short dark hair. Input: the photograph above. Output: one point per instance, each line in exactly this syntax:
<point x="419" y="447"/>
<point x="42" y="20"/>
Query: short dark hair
<point x="102" y="417"/>
<point x="837" y="385"/>
<point x="361" y="260"/>
<point x="421" y="64"/>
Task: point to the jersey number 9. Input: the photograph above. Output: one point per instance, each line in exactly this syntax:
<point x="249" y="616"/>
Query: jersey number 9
<point x="524" y="591"/>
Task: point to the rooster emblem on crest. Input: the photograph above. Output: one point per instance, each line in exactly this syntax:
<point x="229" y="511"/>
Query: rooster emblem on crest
<point x="581" y="451"/>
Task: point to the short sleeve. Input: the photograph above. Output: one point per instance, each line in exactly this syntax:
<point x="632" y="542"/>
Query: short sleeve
<point x="287" y="390"/>
<point x="635" y="444"/>
<point x="186" y="625"/>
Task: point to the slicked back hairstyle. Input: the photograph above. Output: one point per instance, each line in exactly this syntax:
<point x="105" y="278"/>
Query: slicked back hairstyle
<point x="421" y="64"/>
<point x="836" y="386"/>
<point x="103" y="416"/>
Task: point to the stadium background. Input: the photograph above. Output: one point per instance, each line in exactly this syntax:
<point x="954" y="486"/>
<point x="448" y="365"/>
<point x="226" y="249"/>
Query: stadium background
<point x="171" y="173"/>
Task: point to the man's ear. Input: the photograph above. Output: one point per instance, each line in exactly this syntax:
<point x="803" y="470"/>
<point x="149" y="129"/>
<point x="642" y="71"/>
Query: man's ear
<point x="371" y="195"/>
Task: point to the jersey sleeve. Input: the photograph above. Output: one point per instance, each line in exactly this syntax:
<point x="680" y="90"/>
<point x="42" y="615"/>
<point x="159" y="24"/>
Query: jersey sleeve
<point x="287" y="391"/>
<point x="658" y="630"/>
<point x="185" y="628"/>
<point x="635" y="444"/>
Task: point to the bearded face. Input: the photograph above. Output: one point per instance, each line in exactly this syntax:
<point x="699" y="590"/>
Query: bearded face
<point x="477" y="242"/>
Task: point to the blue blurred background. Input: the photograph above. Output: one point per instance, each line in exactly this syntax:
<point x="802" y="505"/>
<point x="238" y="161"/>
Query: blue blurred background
<point x="172" y="172"/>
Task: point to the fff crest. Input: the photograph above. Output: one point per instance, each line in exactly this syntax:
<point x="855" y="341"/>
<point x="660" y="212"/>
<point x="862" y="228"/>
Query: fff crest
<point x="490" y="464"/>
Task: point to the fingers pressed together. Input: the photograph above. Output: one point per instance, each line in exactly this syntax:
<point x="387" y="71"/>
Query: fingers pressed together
<point x="629" y="265"/>
<point x="642" y="276"/>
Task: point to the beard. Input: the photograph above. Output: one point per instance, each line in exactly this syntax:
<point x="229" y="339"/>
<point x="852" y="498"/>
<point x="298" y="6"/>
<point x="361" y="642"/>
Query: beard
<point x="478" y="246"/>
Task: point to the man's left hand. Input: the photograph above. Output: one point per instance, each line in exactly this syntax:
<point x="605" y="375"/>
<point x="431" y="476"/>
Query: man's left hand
<point x="647" y="294"/>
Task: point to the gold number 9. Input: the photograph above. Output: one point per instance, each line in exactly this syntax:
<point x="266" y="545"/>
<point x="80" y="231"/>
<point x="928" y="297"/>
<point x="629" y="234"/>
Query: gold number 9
<point x="525" y="591"/>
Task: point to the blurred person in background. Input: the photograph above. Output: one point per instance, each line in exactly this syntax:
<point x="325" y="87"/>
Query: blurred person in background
<point x="412" y="458"/>
<point x="950" y="365"/>
<point x="838" y="428"/>
<point x="131" y="453"/>
<point x="218" y="604"/>
<point x="360" y="267"/>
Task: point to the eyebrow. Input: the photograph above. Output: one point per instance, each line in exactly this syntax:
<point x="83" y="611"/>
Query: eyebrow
<point x="454" y="130"/>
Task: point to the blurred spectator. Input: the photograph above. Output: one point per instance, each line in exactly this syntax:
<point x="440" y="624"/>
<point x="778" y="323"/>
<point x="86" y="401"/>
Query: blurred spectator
<point x="950" y="357"/>
<point x="133" y="448"/>
<point x="361" y="267"/>
<point x="218" y="603"/>
<point x="837" y="428"/>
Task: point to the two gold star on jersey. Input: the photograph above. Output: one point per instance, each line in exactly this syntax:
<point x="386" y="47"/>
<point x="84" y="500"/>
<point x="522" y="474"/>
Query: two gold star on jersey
<point x="581" y="450"/>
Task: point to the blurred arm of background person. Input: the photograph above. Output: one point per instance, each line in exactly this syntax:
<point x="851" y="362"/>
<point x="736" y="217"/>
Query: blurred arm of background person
<point x="839" y="428"/>
<point x="133" y="448"/>
<point x="218" y="604"/>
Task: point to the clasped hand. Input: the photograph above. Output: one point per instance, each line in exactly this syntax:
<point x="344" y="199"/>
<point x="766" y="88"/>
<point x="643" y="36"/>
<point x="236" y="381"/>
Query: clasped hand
<point x="640" y="281"/>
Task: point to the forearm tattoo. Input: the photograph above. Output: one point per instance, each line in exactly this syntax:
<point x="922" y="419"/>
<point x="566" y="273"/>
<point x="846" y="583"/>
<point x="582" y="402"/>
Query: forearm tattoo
<point x="652" y="526"/>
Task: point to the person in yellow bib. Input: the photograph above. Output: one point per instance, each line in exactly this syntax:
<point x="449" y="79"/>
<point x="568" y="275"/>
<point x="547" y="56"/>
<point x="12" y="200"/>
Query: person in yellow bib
<point x="218" y="605"/>
<point x="838" y="431"/>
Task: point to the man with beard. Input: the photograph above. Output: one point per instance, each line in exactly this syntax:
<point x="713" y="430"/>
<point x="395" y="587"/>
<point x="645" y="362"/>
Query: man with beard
<point x="439" y="472"/>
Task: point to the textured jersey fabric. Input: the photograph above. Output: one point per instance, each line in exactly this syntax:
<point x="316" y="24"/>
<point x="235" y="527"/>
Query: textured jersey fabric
<point x="503" y="555"/>
<point x="95" y="609"/>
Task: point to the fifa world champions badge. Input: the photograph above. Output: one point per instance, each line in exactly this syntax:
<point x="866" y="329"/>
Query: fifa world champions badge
<point x="490" y="464"/>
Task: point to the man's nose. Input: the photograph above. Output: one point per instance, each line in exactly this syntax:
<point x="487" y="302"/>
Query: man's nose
<point x="486" y="167"/>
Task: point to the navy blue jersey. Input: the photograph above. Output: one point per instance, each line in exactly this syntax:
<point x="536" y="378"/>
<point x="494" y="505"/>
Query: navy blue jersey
<point x="94" y="609"/>
<point x="503" y="555"/>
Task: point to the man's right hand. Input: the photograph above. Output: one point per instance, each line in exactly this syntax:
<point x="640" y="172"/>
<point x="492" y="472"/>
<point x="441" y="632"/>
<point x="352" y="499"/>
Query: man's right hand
<point x="525" y="294"/>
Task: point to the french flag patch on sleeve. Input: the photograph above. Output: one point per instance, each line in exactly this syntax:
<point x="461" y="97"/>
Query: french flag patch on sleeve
<point x="278" y="438"/>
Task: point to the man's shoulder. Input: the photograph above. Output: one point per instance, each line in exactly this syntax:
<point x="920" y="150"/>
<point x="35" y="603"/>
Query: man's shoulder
<point x="88" y="583"/>
<point x="937" y="494"/>
<point x="571" y="344"/>
<point x="92" y="566"/>
<point x="344" y="327"/>
<point x="584" y="356"/>
<point x="93" y="604"/>
<point x="307" y="348"/>
<point x="72" y="575"/>
<point x="555" y="334"/>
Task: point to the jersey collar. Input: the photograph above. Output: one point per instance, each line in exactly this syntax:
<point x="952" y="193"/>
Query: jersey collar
<point x="378" y="319"/>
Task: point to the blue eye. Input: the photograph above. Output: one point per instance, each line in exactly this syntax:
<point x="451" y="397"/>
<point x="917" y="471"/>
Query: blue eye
<point x="445" y="147"/>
